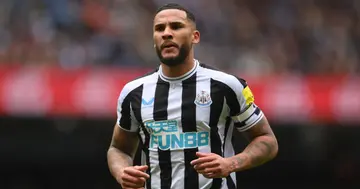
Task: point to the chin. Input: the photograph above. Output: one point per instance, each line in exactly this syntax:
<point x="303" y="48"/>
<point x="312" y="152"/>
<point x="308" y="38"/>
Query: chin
<point x="169" y="58"/>
<point x="170" y="55"/>
<point x="173" y="58"/>
<point x="172" y="61"/>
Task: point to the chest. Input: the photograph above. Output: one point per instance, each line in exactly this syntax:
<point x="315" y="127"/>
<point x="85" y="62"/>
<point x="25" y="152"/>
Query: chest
<point x="189" y="104"/>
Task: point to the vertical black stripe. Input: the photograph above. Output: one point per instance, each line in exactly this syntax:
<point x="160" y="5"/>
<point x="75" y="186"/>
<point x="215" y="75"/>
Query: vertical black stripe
<point x="136" y="102"/>
<point x="231" y="98"/>
<point x="125" y="120"/>
<point x="146" y="150"/>
<point x="160" y="113"/>
<point x="188" y="122"/>
<point x="217" y="97"/>
<point x="136" y="106"/>
<point x="230" y="183"/>
<point x="232" y="102"/>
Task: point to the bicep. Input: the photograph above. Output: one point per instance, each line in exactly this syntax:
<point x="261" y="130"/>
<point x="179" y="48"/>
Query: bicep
<point x="125" y="141"/>
<point x="261" y="128"/>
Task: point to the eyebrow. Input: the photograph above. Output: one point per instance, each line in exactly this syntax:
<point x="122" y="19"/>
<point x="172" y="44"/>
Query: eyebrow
<point x="174" y="22"/>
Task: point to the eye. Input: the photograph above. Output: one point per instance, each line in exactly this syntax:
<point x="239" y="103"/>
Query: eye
<point x="159" y="27"/>
<point x="176" y="25"/>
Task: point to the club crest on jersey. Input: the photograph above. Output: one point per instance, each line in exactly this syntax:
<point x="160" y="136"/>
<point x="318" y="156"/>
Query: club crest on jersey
<point x="203" y="99"/>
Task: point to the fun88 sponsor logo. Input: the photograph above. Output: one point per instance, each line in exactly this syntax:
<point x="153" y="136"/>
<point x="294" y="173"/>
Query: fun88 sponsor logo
<point x="165" y="135"/>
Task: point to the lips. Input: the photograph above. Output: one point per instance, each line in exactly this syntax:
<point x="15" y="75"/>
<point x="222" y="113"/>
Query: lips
<point x="168" y="44"/>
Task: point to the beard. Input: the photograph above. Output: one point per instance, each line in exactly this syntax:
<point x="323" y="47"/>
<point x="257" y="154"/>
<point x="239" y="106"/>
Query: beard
<point x="184" y="51"/>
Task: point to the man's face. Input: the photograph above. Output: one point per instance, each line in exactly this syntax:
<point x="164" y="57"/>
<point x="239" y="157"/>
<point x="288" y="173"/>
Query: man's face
<point x="174" y="36"/>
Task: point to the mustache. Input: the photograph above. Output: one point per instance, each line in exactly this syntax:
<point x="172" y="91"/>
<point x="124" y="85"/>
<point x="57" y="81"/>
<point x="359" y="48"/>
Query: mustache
<point x="169" y="44"/>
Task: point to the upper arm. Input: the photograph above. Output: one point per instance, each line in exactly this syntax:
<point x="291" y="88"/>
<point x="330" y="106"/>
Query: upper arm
<point x="261" y="128"/>
<point x="125" y="141"/>
<point x="125" y="115"/>
<point x="125" y="135"/>
<point x="243" y="110"/>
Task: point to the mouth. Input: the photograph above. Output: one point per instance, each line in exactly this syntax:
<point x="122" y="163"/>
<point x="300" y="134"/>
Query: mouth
<point x="169" y="45"/>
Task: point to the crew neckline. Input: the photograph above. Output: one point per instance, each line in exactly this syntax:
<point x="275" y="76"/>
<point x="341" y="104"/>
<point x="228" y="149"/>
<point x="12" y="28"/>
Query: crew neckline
<point x="182" y="77"/>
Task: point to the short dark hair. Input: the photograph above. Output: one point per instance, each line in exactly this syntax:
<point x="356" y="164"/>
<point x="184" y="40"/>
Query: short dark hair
<point x="189" y="14"/>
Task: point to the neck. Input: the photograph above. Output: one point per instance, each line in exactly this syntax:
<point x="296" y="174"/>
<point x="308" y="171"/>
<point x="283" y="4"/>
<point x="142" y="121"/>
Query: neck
<point x="179" y="70"/>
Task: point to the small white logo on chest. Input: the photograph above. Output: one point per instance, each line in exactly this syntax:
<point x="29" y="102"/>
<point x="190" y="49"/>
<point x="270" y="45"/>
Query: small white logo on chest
<point x="203" y="99"/>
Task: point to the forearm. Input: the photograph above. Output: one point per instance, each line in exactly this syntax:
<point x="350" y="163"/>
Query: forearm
<point x="118" y="160"/>
<point x="260" y="150"/>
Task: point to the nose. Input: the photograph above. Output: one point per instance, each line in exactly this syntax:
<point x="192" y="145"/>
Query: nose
<point x="167" y="34"/>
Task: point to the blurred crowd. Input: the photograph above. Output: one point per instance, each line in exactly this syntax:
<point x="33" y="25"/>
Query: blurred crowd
<point x="257" y="37"/>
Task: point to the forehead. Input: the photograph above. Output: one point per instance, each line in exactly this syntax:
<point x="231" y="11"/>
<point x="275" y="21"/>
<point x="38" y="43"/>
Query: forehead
<point x="170" y="15"/>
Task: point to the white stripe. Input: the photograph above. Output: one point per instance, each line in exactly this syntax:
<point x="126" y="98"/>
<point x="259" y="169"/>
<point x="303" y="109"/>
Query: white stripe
<point x="147" y="114"/>
<point x="203" y="118"/>
<point x="148" y="94"/>
<point x="245" y="115"/>
<point x="154" y="169"/>
<point x="222" y="123"/>
<point x="251" y="122"/>
<point x="221" y="132"/>
<point x="224" y="184"/>
<point x="177" y="156"/>
<point x="143" y="158"/>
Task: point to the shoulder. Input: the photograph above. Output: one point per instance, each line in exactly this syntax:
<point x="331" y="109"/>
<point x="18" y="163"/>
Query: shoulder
<point x="137" y="82"/>
<point x="232" y="81"/>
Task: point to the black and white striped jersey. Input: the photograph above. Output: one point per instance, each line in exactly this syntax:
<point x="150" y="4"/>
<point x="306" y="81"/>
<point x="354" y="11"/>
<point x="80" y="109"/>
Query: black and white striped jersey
<point x="177" y="117"/>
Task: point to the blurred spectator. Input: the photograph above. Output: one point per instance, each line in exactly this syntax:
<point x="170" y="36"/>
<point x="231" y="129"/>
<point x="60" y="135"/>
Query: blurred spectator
<point x="254" y="37"/>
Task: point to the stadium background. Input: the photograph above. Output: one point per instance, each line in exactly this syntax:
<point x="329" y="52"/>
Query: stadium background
<point x="64" y="62"/>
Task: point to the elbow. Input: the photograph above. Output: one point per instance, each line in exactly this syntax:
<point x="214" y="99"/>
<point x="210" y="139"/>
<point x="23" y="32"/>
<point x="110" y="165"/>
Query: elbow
<point x="275" y="148"/>
<point x="111" y="148"/>
<point x="116" y="151"/>
<point x="113" y="151"/>
<point x="110" y="151"/>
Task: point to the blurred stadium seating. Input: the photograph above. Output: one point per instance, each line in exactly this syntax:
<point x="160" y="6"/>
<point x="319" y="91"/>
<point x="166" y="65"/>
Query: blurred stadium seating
<point x="64" y="62"/>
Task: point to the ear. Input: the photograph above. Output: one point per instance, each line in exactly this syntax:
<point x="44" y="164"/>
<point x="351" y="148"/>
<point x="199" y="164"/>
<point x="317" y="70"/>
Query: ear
<point x="195" y="37"/>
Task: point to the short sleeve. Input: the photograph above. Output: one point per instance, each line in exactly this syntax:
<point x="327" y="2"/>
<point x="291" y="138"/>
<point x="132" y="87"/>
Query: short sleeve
<point x="125" y="116"/>
<point x="244" y="112"/>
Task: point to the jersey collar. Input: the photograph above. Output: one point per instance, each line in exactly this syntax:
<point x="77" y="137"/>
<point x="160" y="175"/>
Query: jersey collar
<point x="180" y="78"/>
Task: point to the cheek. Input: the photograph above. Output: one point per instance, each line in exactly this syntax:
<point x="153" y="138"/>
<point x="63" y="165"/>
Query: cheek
<point x="156" y="40"/>
<point x="185" y="39"/>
